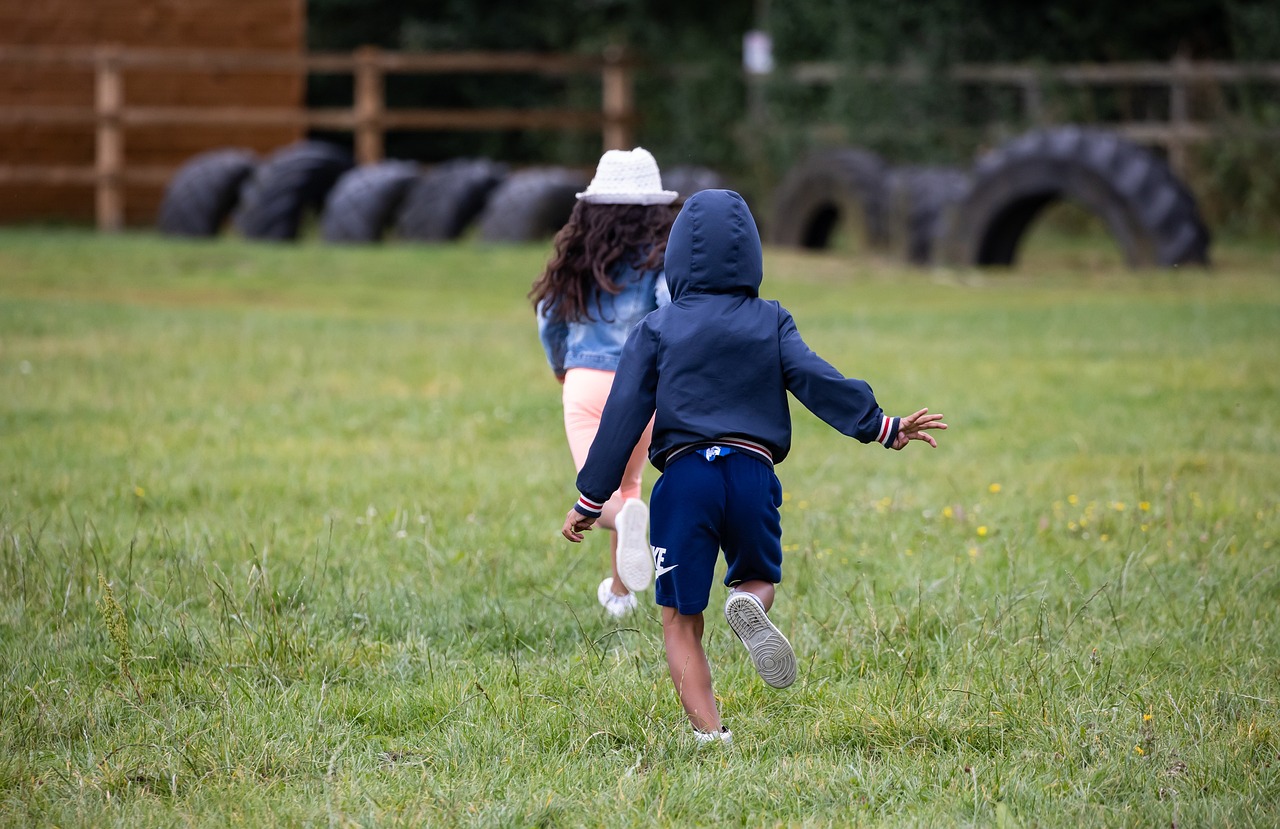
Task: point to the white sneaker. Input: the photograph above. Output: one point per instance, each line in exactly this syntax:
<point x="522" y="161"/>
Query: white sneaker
<point x="704" y="738"/>
<point x="613" y="604"/>
<point x="635" y="559"/>
<point x="770" y="651"/>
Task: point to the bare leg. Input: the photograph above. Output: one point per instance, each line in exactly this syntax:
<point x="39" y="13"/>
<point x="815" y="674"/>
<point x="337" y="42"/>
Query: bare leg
<point x="618" y="588"/>
<point x="607" y="521"/>
<point x="690" y="672"/>
<point x="763" y="590"/>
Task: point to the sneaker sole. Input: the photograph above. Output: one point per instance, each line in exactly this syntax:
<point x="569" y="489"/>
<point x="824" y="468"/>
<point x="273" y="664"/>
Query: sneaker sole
<point x="770" y="651"/>
<point x="635" y="560"/>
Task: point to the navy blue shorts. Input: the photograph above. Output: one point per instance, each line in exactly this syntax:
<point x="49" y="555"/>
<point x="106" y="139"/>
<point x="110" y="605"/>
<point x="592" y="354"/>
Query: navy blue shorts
<point x="702" y="505"/>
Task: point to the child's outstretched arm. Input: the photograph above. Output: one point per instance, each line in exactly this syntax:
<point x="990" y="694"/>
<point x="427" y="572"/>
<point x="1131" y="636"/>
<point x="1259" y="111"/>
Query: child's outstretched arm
<point x="914" y="426"/>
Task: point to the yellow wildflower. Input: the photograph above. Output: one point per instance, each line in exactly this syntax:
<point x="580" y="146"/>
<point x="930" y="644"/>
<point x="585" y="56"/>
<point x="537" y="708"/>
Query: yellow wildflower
<point x="994" y="488"/>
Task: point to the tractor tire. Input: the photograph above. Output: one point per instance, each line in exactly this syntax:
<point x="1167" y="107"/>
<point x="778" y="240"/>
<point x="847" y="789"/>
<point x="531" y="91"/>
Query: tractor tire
<point x="204" y="191"/>
<point x="531" y="205"/>
<point x="917" y="198"/>
<point x="1149" y="212"/>
<point x="292" y="181"/>
<point x="443" y="202"/>
<point x="844" y="184"/>
<point x="363" y="204"/>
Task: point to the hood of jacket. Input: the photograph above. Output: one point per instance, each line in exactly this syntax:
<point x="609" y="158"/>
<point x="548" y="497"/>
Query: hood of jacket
<point x="714" y="247"/>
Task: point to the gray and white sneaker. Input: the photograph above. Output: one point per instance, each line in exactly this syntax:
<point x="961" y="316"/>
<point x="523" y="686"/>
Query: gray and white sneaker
<point x="635" y="559"/>
<point x="770" y="651"/>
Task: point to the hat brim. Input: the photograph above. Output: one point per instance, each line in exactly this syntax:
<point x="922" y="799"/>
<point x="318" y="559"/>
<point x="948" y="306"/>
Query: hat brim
<point x="660" y="197"/>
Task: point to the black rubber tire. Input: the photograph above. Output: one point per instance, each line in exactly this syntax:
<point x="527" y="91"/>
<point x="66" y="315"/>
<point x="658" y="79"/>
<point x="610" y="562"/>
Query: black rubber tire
<point x="1149" y="212"/>
<point x="531" y="205"/>
<point x="845" y="184"/>
<point x="201" y="195"/>
<point x="445" y="200"/>
<point x="292" y="181"/>
<point x="916" y="200"/>
<point x="687" y="180"/>
<point x="363" y="203"/>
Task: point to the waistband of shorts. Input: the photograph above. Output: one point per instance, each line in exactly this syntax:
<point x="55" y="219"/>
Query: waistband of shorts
<point x="746" y="447"/>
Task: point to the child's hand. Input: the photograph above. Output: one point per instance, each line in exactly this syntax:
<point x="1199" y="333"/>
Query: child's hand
<point x="575" y="524"/>
<point x="913" y="426"/>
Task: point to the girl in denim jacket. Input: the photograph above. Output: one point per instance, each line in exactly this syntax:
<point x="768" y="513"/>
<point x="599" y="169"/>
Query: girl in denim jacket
<point x="604" y="277"/>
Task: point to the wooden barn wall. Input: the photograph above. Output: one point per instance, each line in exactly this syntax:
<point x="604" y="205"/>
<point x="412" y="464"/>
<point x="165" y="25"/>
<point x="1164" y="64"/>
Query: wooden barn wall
<point x="259" y="25"/>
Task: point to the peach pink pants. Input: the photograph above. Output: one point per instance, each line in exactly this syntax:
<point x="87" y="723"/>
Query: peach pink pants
<point x="585" y="390"/>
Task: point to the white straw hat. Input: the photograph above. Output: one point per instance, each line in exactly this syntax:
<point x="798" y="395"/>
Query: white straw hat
<point x="627" y="177"/>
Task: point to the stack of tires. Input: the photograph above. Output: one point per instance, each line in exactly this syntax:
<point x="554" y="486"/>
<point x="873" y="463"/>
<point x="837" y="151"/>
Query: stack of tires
<point x="979" y="217"/>
<point x="920" y="215"/>
<point x="272" y="199"/>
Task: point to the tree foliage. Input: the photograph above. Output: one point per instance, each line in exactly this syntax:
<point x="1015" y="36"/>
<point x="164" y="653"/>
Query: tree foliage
<point x="696" y="106"/>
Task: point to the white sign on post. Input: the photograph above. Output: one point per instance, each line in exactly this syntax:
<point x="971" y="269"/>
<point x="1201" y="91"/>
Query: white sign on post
<point x="757" y="52"/>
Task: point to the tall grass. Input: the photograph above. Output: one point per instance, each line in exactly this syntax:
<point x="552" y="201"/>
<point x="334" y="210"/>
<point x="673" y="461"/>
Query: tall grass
<point x="279" y="546"/>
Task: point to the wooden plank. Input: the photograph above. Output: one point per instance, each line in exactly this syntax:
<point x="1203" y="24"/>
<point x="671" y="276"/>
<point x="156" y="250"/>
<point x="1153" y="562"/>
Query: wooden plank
<point x="828" y="72"/>
<point x="41" y="115"/>
<point x="486" y="119"/>
<point x="368" y="106"/>
<point x="220" y="116"/>
<point x="189" y="60"/>
<point x="489" y="62"/>
<point x="109" y="97"/>
<point x="616" y="100"/>
<point x="51" y="175"/>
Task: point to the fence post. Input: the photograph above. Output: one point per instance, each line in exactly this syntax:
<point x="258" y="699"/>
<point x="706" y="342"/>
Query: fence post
<point x="369" y="101"/>
<point x="617" y="99"/>
<point x="1178" y="112"/>
<point x="109" y="144"/>
<point x="1033" y="98"/>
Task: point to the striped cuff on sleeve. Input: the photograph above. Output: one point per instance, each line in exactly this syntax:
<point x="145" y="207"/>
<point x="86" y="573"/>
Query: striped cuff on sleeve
<point x="889" y="431"/>
<point x="589" y="508"/>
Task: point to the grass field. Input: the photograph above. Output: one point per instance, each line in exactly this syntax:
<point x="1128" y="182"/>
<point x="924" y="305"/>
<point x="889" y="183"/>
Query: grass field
<point x="280" y="547"/>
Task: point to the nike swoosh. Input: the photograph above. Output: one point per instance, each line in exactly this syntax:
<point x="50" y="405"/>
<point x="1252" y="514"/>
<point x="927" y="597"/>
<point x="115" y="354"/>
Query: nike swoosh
<point x="664" y="570"/>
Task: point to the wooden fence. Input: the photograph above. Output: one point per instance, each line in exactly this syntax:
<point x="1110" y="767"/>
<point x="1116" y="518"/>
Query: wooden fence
<point x="368" y="118"/>
<point x="1180" y="77"/>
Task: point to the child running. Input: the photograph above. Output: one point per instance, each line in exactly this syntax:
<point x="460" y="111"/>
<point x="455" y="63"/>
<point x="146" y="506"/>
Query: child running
<point x="605" y="276"/>
<point x="716" y="365"/>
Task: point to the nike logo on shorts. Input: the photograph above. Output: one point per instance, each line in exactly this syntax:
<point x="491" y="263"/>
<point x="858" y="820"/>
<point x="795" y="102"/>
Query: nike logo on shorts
<point x="659" y="569"/>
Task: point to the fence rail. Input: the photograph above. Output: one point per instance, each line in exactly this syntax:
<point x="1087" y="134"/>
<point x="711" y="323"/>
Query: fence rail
<point x="367" y="119"/>
<point x="1180" y="76"/>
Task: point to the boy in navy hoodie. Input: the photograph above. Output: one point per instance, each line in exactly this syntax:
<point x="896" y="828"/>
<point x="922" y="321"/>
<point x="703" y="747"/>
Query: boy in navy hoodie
<point x="713" y="369"/>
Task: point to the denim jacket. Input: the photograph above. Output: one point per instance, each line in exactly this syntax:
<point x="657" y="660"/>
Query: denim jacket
<point x="597" y="342"/>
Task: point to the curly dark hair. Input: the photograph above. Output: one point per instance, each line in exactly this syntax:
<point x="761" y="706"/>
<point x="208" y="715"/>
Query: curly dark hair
<point x="596" y="238"/>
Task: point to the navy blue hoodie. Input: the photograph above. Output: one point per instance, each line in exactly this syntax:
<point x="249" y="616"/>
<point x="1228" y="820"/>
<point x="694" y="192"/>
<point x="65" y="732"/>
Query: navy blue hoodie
<point x="716" y="364"/>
